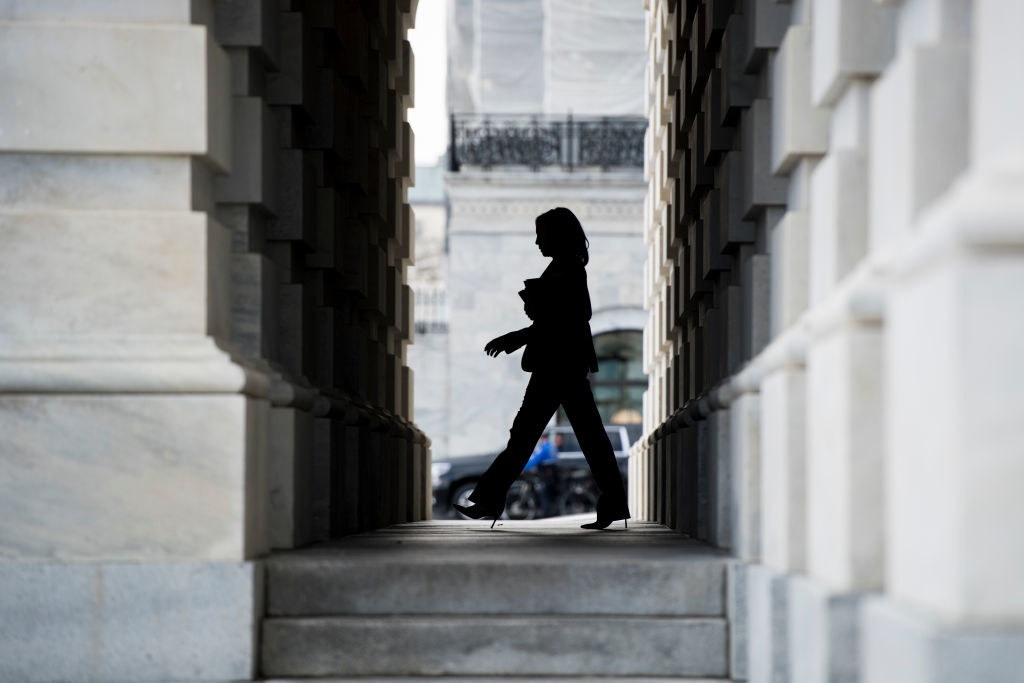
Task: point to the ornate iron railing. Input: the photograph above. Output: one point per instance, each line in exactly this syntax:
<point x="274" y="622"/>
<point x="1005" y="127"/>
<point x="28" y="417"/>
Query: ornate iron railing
<point x="431" y="309"/>
<point x="489" y="140"/>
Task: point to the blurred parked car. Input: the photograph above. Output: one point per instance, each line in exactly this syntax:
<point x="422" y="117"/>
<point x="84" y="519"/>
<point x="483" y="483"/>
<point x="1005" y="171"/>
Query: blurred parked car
<point x="568" y="479"/>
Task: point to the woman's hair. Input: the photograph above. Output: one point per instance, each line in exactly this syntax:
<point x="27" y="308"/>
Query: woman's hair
<point x="565" y="233"/>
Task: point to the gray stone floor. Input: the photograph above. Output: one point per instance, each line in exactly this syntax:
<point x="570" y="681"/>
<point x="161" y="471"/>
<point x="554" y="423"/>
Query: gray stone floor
<point x="557" y="538"/>
<point x="542" y="598"/>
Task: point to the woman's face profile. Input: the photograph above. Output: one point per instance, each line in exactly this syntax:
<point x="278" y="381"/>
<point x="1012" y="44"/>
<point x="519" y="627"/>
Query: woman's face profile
<point x="543" y="242"/>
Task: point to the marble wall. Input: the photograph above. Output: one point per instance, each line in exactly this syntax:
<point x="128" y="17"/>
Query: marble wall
<point x="204" y="317"/>
<point x="833" y="226"/>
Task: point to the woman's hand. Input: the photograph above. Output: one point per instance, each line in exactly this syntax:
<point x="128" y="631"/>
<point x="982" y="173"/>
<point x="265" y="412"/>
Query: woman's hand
<point x="506" y="342"/>
<point x="497" y="345"/>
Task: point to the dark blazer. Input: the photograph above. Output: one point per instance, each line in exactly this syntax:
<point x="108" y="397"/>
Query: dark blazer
<point x="558" y="302"/>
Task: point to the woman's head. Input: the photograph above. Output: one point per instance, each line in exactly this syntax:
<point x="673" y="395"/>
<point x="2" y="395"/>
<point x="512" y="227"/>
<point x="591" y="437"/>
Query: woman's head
<point x="560" y="235"/>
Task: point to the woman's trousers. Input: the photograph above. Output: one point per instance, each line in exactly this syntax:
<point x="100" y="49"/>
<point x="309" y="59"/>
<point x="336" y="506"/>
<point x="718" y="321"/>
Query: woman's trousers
<point x="545" y="392"/>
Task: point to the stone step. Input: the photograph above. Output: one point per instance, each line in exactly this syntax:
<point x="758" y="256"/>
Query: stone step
<point x="540" y="645"/>
<point x="496" y="679"/>
<point x="335" y="586"/>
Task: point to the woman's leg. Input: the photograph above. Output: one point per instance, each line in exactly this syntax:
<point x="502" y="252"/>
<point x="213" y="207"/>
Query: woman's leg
<point x="539" y="404"/>
<point x="580" y="408"/>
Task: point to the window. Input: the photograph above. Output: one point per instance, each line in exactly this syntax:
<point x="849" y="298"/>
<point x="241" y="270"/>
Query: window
<point x="619" y="382"/>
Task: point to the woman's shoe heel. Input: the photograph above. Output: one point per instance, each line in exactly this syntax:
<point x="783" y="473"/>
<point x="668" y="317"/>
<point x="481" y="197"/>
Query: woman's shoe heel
<point x="478" y="511"/>
<point x="605" y="523"/>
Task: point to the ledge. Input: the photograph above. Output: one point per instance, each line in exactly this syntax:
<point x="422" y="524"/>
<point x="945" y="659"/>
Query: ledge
<point x="118" y="365"/>
<point x="981" y="214"/>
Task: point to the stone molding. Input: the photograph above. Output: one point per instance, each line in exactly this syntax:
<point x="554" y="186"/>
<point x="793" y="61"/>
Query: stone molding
<point x="980" y="214"/>
<point x="138" y="364"/>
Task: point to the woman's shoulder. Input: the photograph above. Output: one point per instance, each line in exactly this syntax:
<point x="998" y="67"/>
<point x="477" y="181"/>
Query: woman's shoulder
<point x="565" y="268"/>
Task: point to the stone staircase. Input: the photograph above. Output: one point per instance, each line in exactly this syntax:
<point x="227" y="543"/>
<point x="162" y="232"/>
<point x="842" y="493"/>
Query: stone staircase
<point x="456" y="600"/>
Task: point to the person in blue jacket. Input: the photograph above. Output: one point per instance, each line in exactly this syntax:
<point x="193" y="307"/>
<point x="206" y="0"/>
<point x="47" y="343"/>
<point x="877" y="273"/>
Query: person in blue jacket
<point x="546" y="451"/>
<point x="559" y="355"/>
<point x="544" y="460"/>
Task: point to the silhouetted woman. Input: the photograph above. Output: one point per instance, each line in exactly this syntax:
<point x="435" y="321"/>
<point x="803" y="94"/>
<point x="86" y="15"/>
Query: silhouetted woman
<point x="559" y="353"/>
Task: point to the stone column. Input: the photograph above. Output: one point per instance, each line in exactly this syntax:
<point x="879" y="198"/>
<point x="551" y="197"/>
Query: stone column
<point x="132" y="472"/>
<point x="852" y="41"/>
<point x="954" y="604"/>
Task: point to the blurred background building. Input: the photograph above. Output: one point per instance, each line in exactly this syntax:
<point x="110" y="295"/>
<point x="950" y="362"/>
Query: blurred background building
<point x="546" y="105"/>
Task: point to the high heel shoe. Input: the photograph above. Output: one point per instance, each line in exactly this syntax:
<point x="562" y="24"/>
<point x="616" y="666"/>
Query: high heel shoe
<point x="478" y="511"/>
<point x="605" y="522"/>
<point x="610" y="508"/>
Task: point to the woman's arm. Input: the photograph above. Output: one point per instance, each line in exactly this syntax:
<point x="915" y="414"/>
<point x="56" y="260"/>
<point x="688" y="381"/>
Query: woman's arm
<point x="508" y="342"/>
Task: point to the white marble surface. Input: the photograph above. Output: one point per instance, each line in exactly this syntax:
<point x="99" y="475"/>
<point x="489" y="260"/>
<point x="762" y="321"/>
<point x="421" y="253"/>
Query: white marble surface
<point x="839" y="194"/>
<point x="169" y="477"/>
<point x="142" y="88"/>
<point x="129" y="622"/>
<point x="913" y="408"/>
<point x="954" y="471"/>
<point x="919" y="114"/>
<point x="903" y="643"/>
<point x="825" y="629"/>
<point x="789" y="269"/>
<point x="97" y="181"/>
<point x="852" y="38"/>
<point x="762" y="637"/>
<point x="126" y="363"/>
<point x="112" y="272"/>
<point x="783" y="470"/>
<point x="799" y="128"/>
<point x="838" y="220"/>
<point x="845" y="439"/>
<point x="745" y="468"/>
<point x="149" y="11"/>
<point x="997" y="59"/>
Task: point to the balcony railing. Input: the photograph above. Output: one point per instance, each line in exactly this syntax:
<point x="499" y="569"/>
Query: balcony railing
<point x="431" y="309"/>
<point x="490" y="140"/>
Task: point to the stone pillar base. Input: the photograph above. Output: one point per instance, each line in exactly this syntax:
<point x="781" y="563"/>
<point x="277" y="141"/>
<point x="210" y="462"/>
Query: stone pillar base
<point x="902" y="644"/>
<point x="824" y="636"/>
<point x="129" y="622"/>
<point x="767" y="625"/>
<point x="788" y="628"/>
